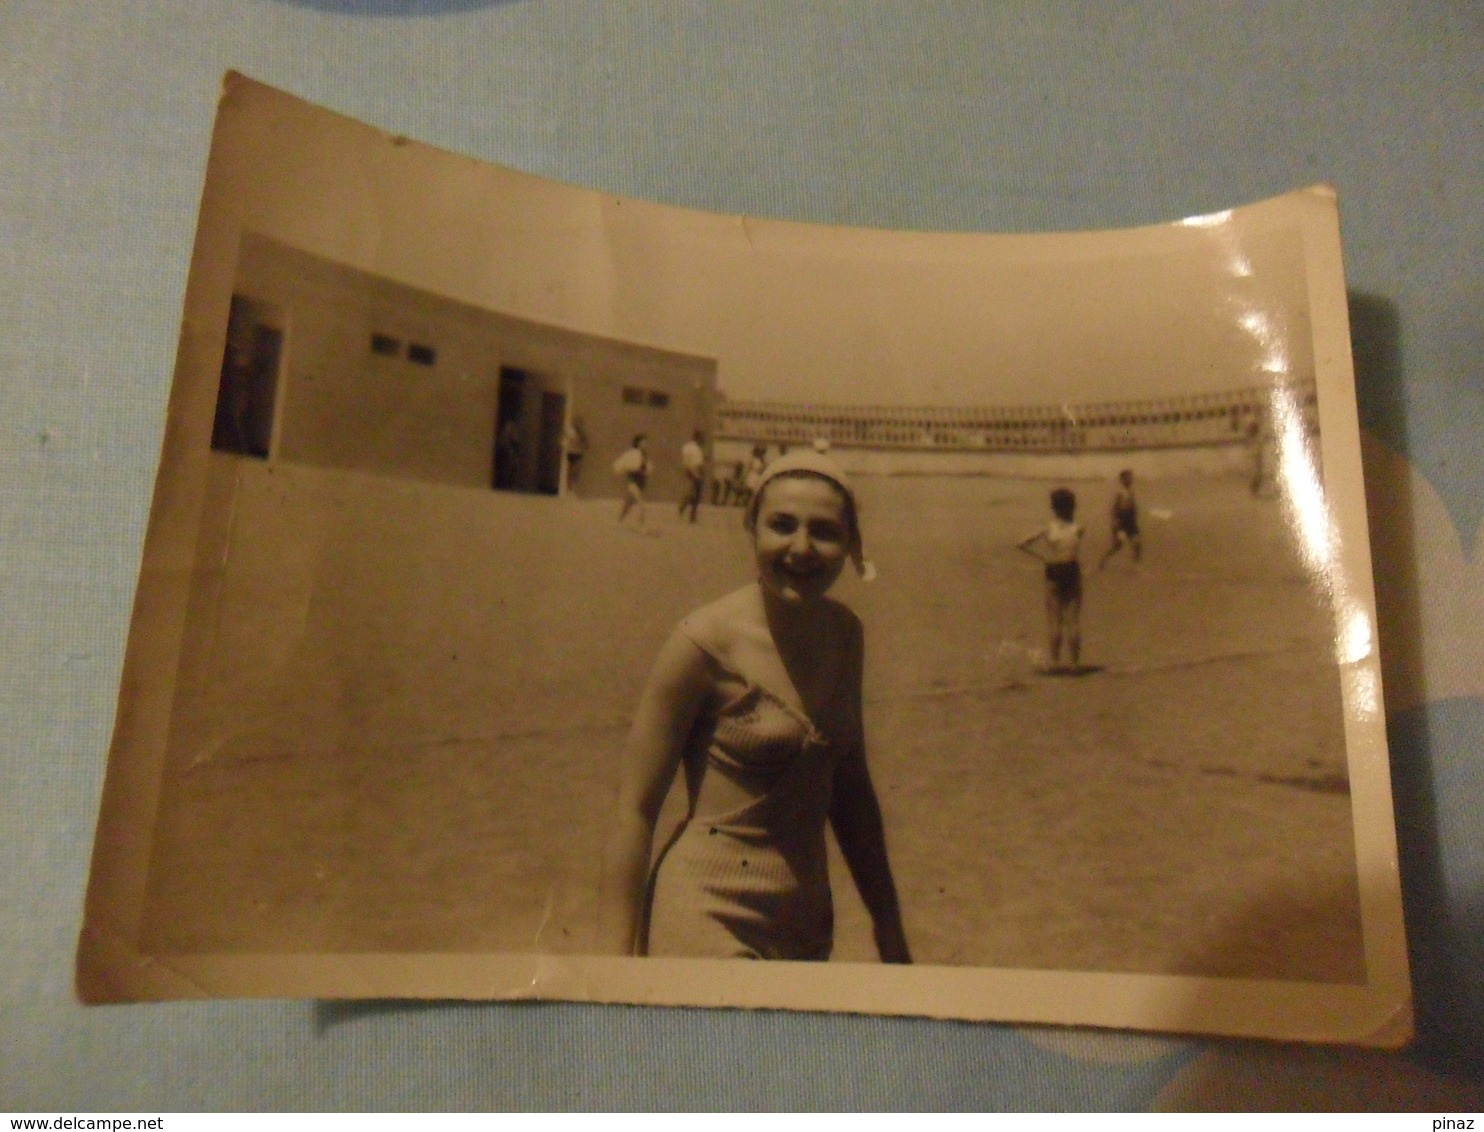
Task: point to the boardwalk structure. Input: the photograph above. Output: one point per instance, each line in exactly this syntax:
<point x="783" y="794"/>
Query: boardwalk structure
<point x="1207" y="432"/>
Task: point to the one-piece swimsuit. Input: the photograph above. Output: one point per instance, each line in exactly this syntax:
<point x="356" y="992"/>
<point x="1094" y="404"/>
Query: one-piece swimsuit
<point x="751" y="882"/>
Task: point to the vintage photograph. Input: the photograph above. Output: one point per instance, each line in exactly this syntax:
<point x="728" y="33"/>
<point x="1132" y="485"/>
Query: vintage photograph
<point x="543" y="581"/>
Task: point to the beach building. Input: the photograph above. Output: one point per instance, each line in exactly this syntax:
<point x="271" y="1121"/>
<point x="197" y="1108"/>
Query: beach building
<point x="334" y="367"/>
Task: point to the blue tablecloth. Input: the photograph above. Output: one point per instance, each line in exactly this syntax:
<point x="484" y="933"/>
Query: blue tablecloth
<point x="1031" y="116"/>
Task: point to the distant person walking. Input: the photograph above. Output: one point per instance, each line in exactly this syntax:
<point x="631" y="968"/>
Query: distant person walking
<point x="634" y="467"/>
<point x="735" y="488"/>
<point x="721" y="486"/>
<point x="1058" y="545"/>
<point x="574" y="447"/>
<point x="507" y="455"/>
<point x="1125" y="520"/>
<point x="693" y="463"/>
<point x="757" y="464"/>
<point x="1260" y="453"/>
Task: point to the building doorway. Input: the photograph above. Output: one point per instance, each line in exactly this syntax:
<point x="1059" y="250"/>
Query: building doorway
<point x="249" y="379"/>
<point x="549" y="453"/>
<point x="510" y="431"/>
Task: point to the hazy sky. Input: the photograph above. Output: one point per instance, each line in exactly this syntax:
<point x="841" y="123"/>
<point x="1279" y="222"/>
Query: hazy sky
<point x="880" y="318"/>
<point x="790" y="311"/>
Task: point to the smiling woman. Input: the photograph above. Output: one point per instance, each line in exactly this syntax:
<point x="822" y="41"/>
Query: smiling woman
<point x="758" y="697"/>
<point x="802" y="529"/>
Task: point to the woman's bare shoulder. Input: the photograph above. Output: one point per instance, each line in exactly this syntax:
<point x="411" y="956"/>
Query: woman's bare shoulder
<point x="717" y="626"/>
<point x="847" y="625"/>
<point x="843" y="618"/>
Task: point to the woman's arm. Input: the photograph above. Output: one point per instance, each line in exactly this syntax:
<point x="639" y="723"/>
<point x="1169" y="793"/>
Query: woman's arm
<point x="651" y="754"/>
<point x="855" y="815"/>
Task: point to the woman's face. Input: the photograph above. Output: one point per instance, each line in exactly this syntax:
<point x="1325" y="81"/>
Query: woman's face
<point x="802" y="539"/>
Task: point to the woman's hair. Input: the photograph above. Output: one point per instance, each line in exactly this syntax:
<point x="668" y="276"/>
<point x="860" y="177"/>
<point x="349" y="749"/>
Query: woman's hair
<point x="754" y="505"/>
<point x="638" y="438"/>
<point x="1063" y="504"/>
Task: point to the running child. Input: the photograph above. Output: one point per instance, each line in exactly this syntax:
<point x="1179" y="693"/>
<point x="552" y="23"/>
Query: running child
<point x="1057" y="545"/>
<point x="1125" y="519"/>
<point x="634" y="468"/>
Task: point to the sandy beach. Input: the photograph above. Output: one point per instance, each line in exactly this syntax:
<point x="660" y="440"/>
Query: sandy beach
<point x="400" y="706"/>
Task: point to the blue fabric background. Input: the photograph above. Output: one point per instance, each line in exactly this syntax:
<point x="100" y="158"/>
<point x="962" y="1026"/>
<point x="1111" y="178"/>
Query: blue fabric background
<point x="1028" y="116"/>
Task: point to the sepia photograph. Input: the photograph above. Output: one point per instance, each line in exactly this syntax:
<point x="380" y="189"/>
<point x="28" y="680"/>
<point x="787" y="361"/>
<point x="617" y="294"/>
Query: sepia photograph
<point x="554" y="595"/>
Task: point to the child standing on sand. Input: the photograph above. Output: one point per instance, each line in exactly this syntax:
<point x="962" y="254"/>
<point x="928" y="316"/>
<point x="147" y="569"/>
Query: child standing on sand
<point x="1125" y="519"/>
<point x="1057" y="545"/>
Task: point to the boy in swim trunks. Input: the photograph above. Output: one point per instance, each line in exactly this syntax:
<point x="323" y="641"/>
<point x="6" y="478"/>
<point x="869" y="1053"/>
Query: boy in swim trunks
<point x="1125" y="519"/>
<point x="1057" y="545"/>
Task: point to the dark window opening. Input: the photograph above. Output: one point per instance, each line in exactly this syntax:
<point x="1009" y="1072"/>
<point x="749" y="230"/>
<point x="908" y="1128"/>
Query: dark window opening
<point x="386" y="345"/>
<point x="633" y="395"/>
<point x="657" y="400"/>
<point x="420" y="354"/>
